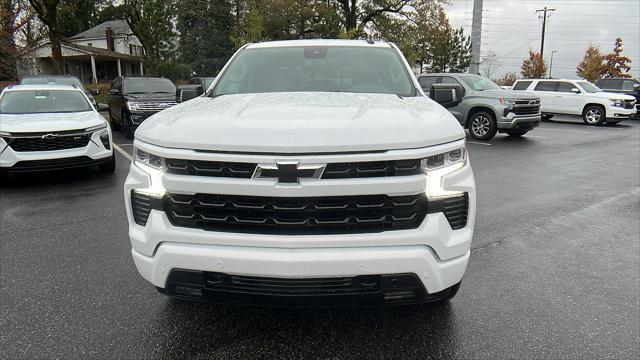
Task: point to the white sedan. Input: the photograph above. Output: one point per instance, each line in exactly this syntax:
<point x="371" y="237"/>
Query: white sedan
<point x="50" y="127"/>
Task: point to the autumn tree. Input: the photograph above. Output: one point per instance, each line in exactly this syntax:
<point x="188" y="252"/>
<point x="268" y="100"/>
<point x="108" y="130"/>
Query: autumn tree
<point x="616" y="64"/>
<point x="534" y="67"/>
<point x="592" y="65"/>
<point x="47" y="11"/>
<point x="507" y="79"/>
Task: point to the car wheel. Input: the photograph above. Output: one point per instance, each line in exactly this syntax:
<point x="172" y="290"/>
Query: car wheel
<point x="593" y="115"/>
<point x="114" y="125"/>
<point x="517" y="133"/>
<point x="482" y="126"/>
<point x="126" y="126"/>
<point x="109" y="167"/>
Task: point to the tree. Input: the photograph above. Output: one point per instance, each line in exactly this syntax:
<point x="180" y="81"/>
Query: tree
<point x="9" y="12"/>
<point x="47" y="11"/>
<point x="204" y="28"/>
<point x="534" y="67"/>
<point x="151" y="21"/>
<point x="507" y="79"/>
<point x="592" y="65"/>
<point x="489" y="64"/>
<point x="617" y="65"/>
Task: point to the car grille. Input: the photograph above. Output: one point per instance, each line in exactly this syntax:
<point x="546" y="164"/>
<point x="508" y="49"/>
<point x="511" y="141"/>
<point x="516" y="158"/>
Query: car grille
<point x="526" y="107"/>
<point x="455" y="209"/>
<point x="319" y="215"/>
<point x="152" y="106"/>
<point x="629" y="104"/>
<point x="141" y="206"/>
<point x="241" y="170"/>
<point x="37" y="143"/>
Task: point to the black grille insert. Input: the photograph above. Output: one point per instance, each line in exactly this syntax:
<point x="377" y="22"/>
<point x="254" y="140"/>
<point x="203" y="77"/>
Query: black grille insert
<point x="455" y="208"/>
<point x="372" y="169"/>
<point x="61" y="142"/>
<point x="210" y="168"/>
<point x="141" y="206"/>
<point x="319" y="215"/>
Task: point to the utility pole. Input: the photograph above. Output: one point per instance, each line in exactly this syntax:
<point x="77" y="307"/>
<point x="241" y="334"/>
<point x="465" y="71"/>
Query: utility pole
<point x="476" y="37"/>
<point x="544" y="25"/>
<point x="551" y="63"/>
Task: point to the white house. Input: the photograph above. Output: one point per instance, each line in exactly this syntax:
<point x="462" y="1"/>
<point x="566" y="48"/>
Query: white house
<point x="97" y="54"/>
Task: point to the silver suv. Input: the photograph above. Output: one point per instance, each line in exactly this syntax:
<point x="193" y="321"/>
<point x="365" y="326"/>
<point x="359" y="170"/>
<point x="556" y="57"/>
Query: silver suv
<point x="486" y="108"/>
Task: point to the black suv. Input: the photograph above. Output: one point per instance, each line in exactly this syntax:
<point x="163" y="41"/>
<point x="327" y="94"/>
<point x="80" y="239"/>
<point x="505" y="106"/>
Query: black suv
<point x="624" y="86"/>
<point x="133" y="99"/>
<point x="61" y="80"/>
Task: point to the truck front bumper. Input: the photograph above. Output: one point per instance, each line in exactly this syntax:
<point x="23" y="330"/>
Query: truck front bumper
<point x="518" y="122"/>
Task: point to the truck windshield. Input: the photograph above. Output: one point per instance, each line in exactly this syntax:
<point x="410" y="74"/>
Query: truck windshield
<point x="43" y="101"/>
<point x="316" y="68"/>
<point x="589" y="87"/>
<point x="479" y="83"/>
<point x="148" y="86"/>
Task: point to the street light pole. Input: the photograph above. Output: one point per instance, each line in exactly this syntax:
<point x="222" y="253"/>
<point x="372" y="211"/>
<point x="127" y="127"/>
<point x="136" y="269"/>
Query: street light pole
<point x="551" y="63"/>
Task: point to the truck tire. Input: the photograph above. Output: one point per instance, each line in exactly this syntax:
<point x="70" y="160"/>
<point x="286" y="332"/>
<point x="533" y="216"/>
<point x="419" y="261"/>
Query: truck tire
<point x="593" y="115"/>
<point x="517" y="133"/>
<point x="126" y="126"/>
<point x="482" y="126"/>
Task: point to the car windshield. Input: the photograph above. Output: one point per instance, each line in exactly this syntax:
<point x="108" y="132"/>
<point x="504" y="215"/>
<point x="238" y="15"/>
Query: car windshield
<point x="316" y="68"/>
<point x="589" y="87"/>
<point x="479" y="83"/>
<point x="43" y="101"/>
<point x="148" y="86"/>
<point x="53" y="80"/>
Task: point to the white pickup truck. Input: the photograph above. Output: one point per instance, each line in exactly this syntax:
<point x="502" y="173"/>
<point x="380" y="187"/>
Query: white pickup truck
<point x="312" y="172"/>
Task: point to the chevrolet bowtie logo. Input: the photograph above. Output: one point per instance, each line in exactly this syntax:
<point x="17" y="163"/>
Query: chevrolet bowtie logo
<point x="288" y="172"/>
<point x="49" y="136"/>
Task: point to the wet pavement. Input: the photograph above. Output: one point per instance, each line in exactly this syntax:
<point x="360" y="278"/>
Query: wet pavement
<point x="554" y="271"/>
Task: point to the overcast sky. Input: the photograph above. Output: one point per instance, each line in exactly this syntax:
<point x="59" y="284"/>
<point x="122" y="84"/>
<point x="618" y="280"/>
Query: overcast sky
<point x="511" y="27"/>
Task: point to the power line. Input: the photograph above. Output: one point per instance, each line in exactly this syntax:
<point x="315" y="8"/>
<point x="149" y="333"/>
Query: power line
<point x="544" y="24"/>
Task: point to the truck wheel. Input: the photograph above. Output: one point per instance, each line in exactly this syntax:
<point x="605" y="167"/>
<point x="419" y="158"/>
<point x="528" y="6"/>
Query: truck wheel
<point x="482" y="126"/>
<point x="593" y="115"/>
<point x="114" y="125"/>
<point x="517" y="133"/>
<point x="110" y="167"/>
<point x="126" y="126"/>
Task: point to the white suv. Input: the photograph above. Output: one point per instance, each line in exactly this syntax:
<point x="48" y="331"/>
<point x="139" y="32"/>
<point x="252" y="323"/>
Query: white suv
<point x="51" y="127"/>
<point x="579" y="97"/>
<point x="312" y="172"/>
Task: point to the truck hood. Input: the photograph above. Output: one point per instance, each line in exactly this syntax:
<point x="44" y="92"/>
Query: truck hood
<point x="305" y="122"/>
<point x="508" y="94"/>
<point x="164" y="97"/>
<point x="611" y="95"/>
<point x="49" y="122"/>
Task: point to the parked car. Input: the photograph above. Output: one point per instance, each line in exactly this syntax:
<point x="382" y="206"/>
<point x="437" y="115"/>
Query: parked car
<point x="580" y="98"/>
<point x="314" y="172"/>
<point x="624" y="86"/>
<point x="49" y="127"/>
<point x="61" y="80"/>
<point x="486" y="108"/>
<point x="132" y="99"/>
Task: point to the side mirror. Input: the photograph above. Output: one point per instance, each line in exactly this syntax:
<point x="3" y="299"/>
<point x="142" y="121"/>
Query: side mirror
<point x="636" y="86"/>
<point x="447" y="95"/>
<point x="189" y="93"/>
<point x="94" y="92"/>
<point x="114" y="92"/>
<point x="575" y="90"/>
<point x="102" y="107"/>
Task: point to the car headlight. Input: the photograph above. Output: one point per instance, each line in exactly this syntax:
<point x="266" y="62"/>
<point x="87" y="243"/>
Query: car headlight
<point x="154" y="166"/>
<point x="5" y="134"/>
<point x="132" y="106"/>
<point x="616" y="102"/>
<point x="507" y="101"/>
<point x="440" y="165"/>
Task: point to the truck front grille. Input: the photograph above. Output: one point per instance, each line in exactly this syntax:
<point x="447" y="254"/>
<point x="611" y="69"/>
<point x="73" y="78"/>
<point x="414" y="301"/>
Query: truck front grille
<point x="296" y="216"/>
<point x="155" y="106"/>
<point x="210" y="168"/>
<point x="63" y="142"/>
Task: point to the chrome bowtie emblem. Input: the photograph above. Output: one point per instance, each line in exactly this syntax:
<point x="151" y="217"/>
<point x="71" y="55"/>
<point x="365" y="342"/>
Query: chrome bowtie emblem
<point x="163" y="106"/>
<point x="288" y="172"/>
<point x="49" y="136"/>
<point x="533" y="102"/>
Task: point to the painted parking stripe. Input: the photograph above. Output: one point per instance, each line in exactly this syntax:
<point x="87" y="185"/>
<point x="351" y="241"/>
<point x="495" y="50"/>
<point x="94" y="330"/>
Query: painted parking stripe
<point x="567" y="131"/>
<point x="478" y="143"/>
<point x="124" y="153"/>
<point x="536" y="136"/>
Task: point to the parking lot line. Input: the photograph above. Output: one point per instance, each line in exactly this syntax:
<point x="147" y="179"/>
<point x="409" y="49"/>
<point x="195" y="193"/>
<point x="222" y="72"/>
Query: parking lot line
<point x="537" y="136"/>
<point x="478" y="143"/>
<point x="124" y="153"/>
<point x="567" y="131"/>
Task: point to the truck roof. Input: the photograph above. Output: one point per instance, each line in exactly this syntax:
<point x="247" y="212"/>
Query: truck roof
<point x="318" y="42"/>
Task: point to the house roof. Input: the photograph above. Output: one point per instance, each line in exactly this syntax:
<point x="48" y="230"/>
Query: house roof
<point x="102" y="52"/>
<point x="119" y="27"/>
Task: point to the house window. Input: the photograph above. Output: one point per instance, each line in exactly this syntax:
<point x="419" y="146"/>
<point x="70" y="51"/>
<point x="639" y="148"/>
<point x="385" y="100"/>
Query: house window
<point x="135" y="50"/>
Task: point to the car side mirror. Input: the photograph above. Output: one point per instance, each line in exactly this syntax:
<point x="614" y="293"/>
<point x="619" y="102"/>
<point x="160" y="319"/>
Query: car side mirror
<point x="447" y="95"/>
<point x="189" y="93"/>
<point x="114" y="92"/>
<point x="103" y="107"/>
<point x="94" y="92"/>
<point x="636" y="86"/>
<point x="575" y="90"/>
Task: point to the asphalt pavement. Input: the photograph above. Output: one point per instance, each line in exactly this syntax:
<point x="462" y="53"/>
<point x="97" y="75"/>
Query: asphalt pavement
<point x="554" y="270"/>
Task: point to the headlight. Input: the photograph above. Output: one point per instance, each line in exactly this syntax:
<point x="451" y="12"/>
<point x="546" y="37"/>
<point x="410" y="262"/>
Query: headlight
<point x="4" y="134"/>
<point x="154" y="166"/>
<point x="616" y="102"/>
<point x="507" y="101"/>
<point x="104" y="138"/>
<point x="440" y="165"/>
<point x="132" y="106"/>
